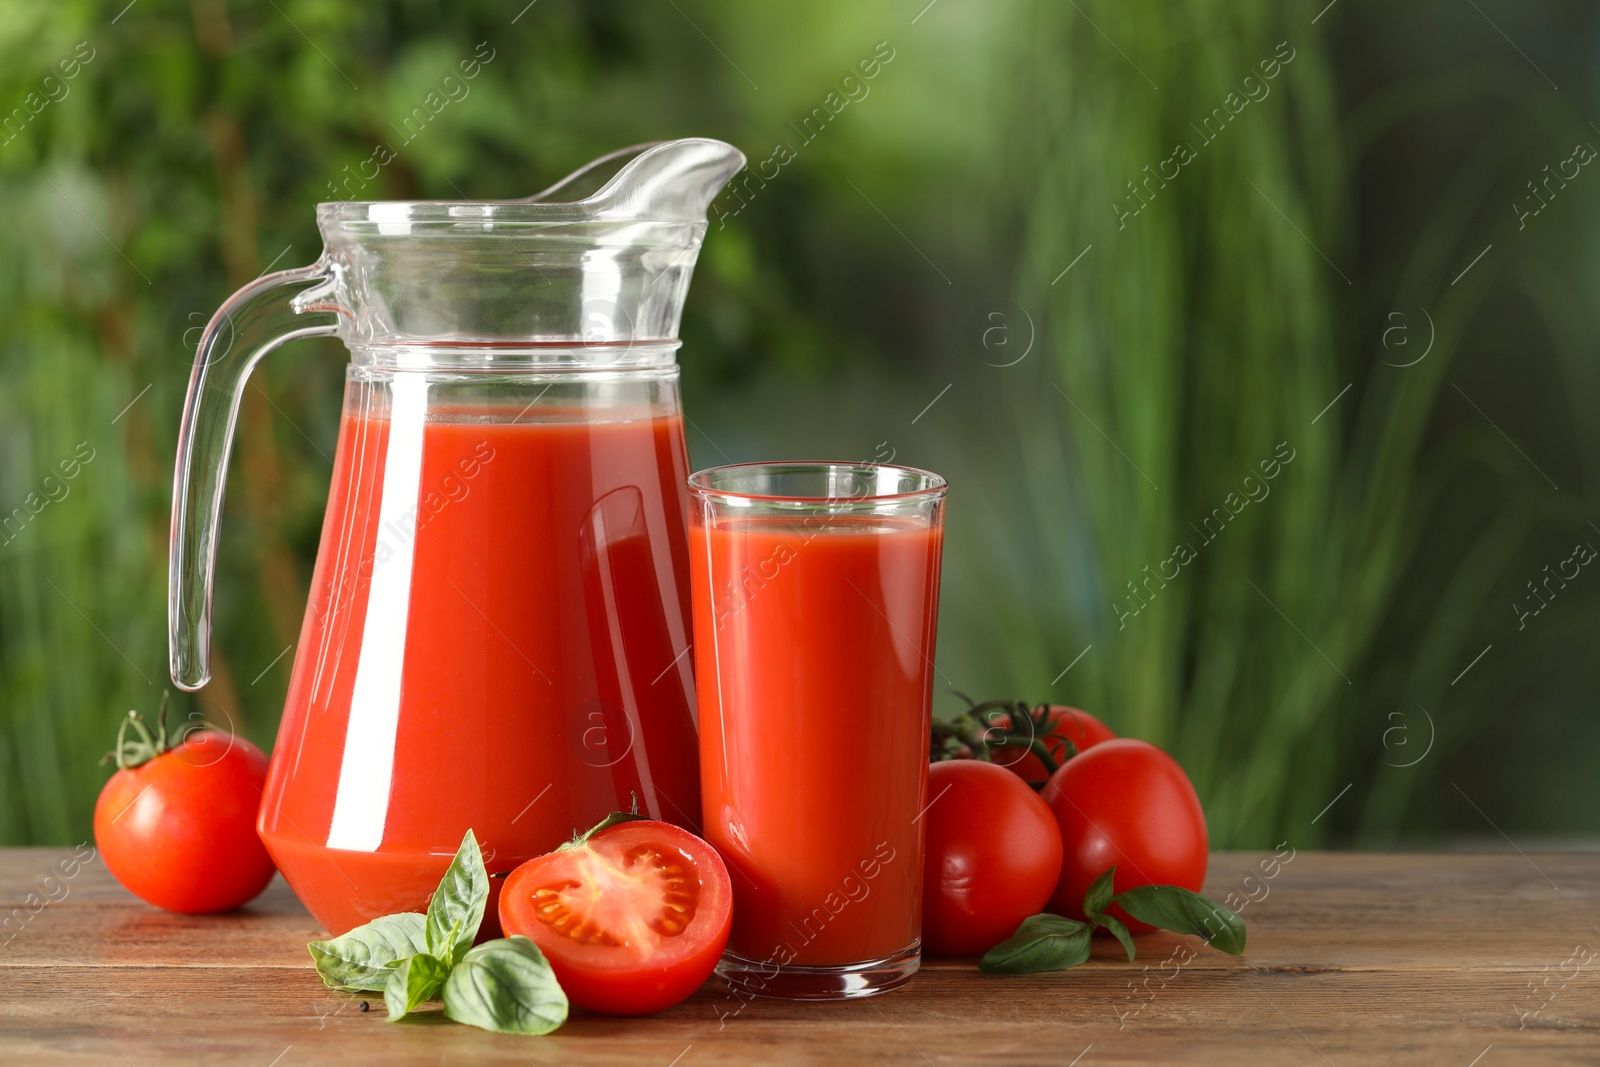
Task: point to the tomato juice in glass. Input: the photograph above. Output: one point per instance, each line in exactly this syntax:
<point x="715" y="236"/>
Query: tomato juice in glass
<point x="494" y="638"/>
<point x="815" y="592"/>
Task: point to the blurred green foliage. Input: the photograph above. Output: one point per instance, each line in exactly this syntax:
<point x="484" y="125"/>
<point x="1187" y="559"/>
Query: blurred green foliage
<point x="902" y="283"/>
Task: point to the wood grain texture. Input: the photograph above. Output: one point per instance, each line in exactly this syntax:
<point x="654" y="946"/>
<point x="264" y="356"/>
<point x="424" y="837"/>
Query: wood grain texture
<point x="1352" y="959"/>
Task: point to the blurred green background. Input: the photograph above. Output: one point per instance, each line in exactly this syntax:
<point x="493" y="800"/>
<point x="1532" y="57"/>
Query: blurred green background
<point x="1095" y="262"/>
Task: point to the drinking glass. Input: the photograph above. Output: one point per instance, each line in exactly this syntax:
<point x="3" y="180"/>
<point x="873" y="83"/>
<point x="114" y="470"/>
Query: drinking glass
<point x="815" y="591"/>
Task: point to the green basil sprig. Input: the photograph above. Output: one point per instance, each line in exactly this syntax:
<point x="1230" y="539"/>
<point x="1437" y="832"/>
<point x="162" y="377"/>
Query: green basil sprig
<point x="456" y="910"/>
<point x="360" y="961"/>
<point x="414" y="980"/>
<point x="1048" y="942"/>
<point x="1095" y="903"/>
<point x="1043" y="942"/>
<point x="505" y="985"/>
<point x="1184" y="912"/>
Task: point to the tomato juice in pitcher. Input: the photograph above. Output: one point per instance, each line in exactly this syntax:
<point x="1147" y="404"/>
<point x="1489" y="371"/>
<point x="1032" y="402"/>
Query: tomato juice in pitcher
<point x="497" y="634"/>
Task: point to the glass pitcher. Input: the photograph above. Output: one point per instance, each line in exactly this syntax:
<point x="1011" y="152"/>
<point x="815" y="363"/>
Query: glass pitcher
<point x="497" y="634"/>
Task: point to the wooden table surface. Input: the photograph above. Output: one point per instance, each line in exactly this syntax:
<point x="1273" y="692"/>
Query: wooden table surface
<point x="1465" y="960"/>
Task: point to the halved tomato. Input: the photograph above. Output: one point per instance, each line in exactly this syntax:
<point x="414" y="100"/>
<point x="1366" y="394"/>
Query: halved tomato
<point x="632" y="916"/>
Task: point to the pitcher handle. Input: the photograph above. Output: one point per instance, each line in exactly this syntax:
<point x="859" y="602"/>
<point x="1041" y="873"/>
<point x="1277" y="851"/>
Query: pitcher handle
<point x="253" y="322"/>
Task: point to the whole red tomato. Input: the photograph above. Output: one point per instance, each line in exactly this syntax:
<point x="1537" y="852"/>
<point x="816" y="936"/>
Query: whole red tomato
<point x="993" y="857"/>
<point x="176" y="825"/>
<point x="1127" y="804"/>
<point x="632" y="917"/>
<point x="1061" y="725"/>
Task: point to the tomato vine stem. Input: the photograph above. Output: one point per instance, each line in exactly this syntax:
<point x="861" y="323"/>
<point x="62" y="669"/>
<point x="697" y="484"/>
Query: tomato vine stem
<point x="997" y="725"/>
<point x="146" y="746"/>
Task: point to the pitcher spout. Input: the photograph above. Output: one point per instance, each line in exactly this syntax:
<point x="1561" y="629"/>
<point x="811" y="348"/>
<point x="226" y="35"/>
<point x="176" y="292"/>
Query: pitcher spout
<point x="669" y="181"/>
<point x="572" y="264"/>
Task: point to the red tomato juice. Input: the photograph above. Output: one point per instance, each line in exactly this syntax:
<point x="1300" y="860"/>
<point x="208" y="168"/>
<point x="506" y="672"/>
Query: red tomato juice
<point x="494" y="639"/>
<point x="814" y="666"/>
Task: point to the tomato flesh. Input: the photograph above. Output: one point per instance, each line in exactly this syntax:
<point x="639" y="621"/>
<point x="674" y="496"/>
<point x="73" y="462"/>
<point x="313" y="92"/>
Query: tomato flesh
<point x="632" y="920"/>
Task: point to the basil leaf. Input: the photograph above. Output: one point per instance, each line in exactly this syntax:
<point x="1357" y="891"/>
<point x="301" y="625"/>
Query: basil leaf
<point x="1120" y="931"/>
<point x="506" y="986"/>
<point x="416" y="980"/>
<point x="456" y="910"/>
<point x="1175" y="908"/>
<point x="1042" y="943"/>
<point x="360" y="961"/>
<point x="1099" y="894"/>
